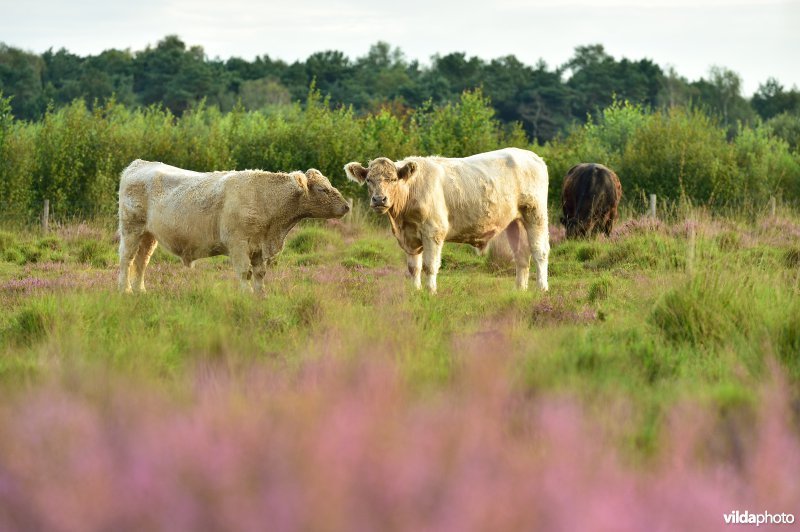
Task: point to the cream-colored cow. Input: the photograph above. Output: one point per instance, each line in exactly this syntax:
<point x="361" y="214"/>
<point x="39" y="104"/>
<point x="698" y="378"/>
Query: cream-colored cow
<point x="432" y="200"/>
<point x="243" y="214"/>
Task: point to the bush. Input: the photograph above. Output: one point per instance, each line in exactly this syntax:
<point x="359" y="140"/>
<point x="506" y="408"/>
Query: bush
<point x="311" y="238"/>
<point x="30" y="324"/>
<point x="787" y="127"/>
<point x="679" y="154"/>
<point x="94" y="253"/>
<point x="74" y="155"/>
<point x="600" y="288"/>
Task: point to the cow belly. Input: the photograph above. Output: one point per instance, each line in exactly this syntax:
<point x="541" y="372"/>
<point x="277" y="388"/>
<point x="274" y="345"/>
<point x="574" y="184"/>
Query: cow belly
<point x="480" y="234"/>
<point x="477" y="239"/>
<point x="189" y="248"/>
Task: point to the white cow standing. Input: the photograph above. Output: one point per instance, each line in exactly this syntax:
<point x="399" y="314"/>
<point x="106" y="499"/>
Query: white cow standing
<point x="243" y="214"/>
<point x="433" y="200"/>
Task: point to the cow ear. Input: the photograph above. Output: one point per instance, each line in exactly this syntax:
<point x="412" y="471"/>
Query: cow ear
<point x="313" y="172"/>
<point x="404" y="172"/>
<point x="302" y="182"/>
<point x="356" y="172"/>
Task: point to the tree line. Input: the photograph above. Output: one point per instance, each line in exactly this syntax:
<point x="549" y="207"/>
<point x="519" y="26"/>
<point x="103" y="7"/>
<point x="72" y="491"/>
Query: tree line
<point x="545" y="101"/>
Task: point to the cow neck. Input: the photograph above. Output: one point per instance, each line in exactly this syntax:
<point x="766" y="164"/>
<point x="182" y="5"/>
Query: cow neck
<point x="400" y="203"/>
<point x="289" y="221"/>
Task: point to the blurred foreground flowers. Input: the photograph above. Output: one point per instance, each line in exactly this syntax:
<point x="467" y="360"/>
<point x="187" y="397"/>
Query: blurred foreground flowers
<point x="351" y="445"/>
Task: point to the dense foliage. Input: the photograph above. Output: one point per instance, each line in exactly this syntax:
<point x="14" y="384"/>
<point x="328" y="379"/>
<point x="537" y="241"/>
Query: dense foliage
<point x="544" y="100"/>
<point x="74" y="155"/>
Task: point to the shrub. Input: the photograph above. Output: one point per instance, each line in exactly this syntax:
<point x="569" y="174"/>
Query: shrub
<point x="30" y="324"/>
<point x="94" y="253"/>
<point x="74" y="155"/>
<point x="787" y="127"/>
<point x="311" y="238"/>
<point x="600" y="288"/>
<point x="679" y="154"/>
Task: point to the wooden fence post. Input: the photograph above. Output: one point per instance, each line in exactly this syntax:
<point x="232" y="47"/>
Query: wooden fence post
<point x="46" y="216"/>
<point x="691" y="251"/>
<point x="652" y="206"/>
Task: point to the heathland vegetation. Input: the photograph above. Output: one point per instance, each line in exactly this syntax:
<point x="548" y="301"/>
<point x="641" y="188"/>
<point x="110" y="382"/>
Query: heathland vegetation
<point x="659" y="373"/>
<point x="655" y="384"/>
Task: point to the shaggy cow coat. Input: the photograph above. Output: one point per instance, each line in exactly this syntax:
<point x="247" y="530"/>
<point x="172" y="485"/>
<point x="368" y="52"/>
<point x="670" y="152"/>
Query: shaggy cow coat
<point x="432" y="200"/>
<point x="243" y="214"/>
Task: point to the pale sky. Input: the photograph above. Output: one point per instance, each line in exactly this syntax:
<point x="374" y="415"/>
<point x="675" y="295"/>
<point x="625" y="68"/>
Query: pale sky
<point x="756" y="38"/>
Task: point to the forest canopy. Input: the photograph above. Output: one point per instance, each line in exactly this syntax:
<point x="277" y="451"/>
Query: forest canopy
<point x="545" y="100"/>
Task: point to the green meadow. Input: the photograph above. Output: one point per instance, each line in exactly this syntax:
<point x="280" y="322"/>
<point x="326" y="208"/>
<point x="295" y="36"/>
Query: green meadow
<point x="701" y="309"/>
<point x="656" y="381"/>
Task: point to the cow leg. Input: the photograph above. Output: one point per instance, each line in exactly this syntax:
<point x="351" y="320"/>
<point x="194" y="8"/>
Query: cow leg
<point x="147" y="245"/>
<point x="522" y="254"/>
<point x="414" y="263"/>
<point x="128" y="248"/>
<point x="535" y="223"/>
<point x="432" y="259"/>
<point x="240" y="256"/>
<point x="609" y="224"/>
<point x="259" y="266"/>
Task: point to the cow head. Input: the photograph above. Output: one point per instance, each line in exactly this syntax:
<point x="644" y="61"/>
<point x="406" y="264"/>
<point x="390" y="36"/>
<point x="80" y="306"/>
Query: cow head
<point x="574" y="227"/>
<point x="387" y="182"/>
<point x="319" y="197"/>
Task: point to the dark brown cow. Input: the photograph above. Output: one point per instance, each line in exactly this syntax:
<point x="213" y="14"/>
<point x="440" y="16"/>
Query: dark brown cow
<point x="589" y="200"/>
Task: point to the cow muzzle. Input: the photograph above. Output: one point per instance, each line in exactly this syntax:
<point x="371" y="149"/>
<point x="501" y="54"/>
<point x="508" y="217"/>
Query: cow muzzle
<point x="379" y="204"/>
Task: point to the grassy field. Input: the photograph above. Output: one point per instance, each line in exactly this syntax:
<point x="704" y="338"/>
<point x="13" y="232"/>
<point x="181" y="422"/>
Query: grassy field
<point x="656" y="382"/>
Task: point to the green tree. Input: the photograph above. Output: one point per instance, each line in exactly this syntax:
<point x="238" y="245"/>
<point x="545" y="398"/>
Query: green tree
<point x="263" y="92"/>
<point x="721" y="95"/>
<point x="177" y="77"/>
<point x="771" y="99"/>
<point x="21" y="80"/>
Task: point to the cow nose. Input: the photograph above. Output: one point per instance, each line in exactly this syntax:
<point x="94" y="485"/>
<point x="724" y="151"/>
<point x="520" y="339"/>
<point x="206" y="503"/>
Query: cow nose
<point x="379" y="200"/>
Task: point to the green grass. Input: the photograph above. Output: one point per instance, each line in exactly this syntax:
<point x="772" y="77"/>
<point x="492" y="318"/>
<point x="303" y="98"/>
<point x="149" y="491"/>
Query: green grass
<point x="626" y="319"/>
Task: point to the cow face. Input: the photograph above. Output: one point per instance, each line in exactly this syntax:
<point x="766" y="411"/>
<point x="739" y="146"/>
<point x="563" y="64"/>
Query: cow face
<point x="387" y="183"/>
<point x="321" y="198"/>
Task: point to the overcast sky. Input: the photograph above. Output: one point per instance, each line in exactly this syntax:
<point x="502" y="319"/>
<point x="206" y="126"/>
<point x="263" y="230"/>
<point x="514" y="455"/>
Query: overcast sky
<point x="756" y="38"/>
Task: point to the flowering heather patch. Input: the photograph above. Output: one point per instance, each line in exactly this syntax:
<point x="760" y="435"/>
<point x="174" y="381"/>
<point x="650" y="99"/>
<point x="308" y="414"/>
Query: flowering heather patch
<point x="349" y="446"/>
<point x="557" y="233"/>
<point x="28" y="284"/>
<point x="779" y="231"/>
<point x="633" y="226"/>
<point x="82" y="231"/>
<point x="355" y="275"/>
<point x="83" y="280"/>
<point x="343" y="400"/>
<point x="348" y="231"/>
<point x="50" y="267"/>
